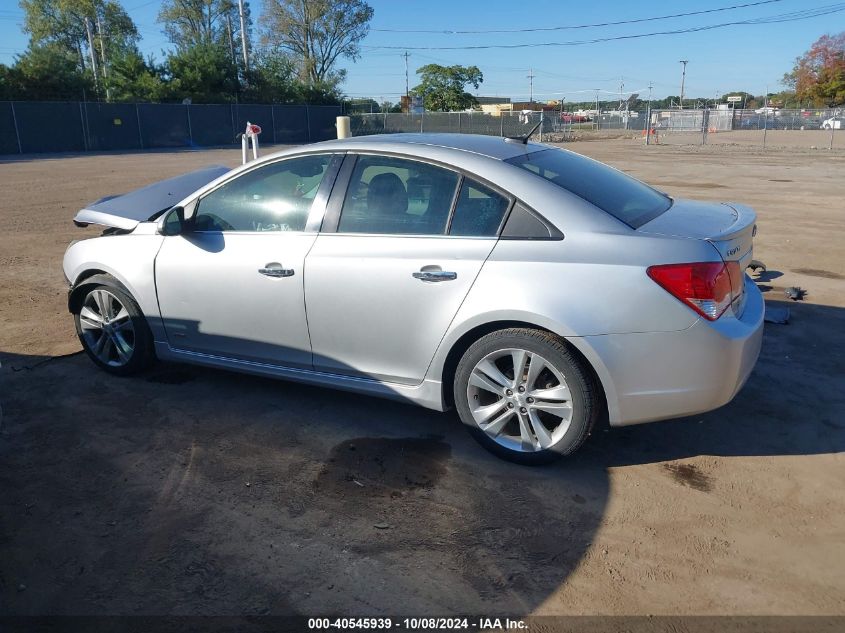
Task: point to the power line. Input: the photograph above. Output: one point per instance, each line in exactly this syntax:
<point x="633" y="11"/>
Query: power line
<point x="578" y="26"/>
<point x="775" y="19"/>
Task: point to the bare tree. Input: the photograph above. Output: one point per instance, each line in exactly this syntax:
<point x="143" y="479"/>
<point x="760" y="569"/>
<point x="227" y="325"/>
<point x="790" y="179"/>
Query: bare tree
<point x="316" y="33"/>
<point x="189" y="23"/>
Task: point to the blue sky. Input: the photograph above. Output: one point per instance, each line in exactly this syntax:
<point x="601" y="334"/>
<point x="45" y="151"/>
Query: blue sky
<point x="739" y="57"/>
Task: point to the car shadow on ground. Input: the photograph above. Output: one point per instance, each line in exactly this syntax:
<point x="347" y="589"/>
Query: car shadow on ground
<point x="196" y="491"/>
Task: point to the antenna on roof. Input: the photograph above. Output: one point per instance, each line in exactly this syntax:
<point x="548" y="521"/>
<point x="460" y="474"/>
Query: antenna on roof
<point x="524" y="138"/>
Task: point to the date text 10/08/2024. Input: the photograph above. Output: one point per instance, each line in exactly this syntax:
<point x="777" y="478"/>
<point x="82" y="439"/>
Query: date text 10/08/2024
<point x="422" y="623"/>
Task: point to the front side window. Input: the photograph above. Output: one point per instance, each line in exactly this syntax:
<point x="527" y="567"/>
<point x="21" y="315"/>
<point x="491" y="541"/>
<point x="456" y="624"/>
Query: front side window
<point x="479" y="211"/>
<point x="623" y="197"/>
<point x="277" y="197"/>
<point x="399" y="197"/>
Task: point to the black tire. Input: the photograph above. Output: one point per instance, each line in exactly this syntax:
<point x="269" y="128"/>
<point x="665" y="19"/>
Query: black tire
<point x="584" y="399"/>
<point x="142" y="354"/>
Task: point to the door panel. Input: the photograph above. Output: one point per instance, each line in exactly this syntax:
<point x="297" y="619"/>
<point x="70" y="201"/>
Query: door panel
<point x="369" y="315"/>
<point x="231" y="284"/>
<point x="237" y="295"/>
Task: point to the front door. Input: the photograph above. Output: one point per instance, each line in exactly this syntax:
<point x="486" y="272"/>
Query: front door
<point x="232" y="284"/>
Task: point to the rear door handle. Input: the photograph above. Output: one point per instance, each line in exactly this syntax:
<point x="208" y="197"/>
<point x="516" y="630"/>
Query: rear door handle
<point x="435" y="275"/>
<point x="274" y="269"/>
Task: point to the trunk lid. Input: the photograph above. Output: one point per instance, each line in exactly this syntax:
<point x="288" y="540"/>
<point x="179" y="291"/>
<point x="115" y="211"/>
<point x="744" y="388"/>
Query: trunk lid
<point x="127" y="210"/>
<point x="729" y="227"/>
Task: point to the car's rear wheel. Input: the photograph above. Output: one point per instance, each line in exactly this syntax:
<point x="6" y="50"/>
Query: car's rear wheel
<point x="525" y="396"/>
<point x="113" y="331"/>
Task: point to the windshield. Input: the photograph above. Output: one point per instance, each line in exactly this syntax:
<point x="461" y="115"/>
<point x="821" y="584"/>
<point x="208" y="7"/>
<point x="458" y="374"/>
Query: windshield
<point x="623" y="197"/>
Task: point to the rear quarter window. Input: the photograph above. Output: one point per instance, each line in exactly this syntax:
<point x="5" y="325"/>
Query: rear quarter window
<point x="625" y="198"/>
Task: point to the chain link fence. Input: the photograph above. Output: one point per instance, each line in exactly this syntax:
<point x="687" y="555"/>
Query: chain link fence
<point x="75" y="126"/>
<point x="504" y="124"/>
<point x="31" y="127"/>
<point x="771" y="127"/>
<point x="753" y="128"/>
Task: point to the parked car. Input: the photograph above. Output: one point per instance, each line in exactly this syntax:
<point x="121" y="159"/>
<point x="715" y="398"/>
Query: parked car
<point x="755" y="122"/>
<point x="569" y="117"/>
<point x="833" y="123"/>
<point x="534" y="290"/>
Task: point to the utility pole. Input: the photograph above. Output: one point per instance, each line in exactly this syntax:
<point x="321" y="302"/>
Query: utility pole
<point x="530" y="77"/>
<point x="598" y="117"/>
<point x="234" y="57"/>
<point x="407" y="92"/>
<point x="683" y="77"/>
<point x="91" y="50"/>
<point x="244" y="43"/>
<point x="621" y="88"/>
<point x="103" y="59"/>
<point x="765" y="115"/>
<point x="648" y="117"/>
<point x="231" y="40"/>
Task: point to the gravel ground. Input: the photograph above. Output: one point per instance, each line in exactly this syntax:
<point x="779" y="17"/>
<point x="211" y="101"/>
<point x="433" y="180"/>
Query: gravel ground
<point x="191" y="491"/>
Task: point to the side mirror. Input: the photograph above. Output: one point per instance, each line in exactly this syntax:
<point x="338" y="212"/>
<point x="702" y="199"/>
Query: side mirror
<point x="173" y="222"/>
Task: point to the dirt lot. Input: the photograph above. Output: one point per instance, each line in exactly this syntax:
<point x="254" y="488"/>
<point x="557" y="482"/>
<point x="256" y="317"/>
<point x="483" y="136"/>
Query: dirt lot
<point x="188" y="491"/>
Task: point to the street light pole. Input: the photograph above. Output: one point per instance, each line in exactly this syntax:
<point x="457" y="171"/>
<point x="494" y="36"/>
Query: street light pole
<point x="683" y="78"/>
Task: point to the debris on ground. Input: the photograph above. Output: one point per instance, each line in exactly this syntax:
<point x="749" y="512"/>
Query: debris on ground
<point x="381" y="526"/>
<point x="796" y="293"/>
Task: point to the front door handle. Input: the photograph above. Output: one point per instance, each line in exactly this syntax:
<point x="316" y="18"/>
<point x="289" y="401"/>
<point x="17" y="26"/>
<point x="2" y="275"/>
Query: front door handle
<point x="275" y="269"/>
<point x="435" y="275"/>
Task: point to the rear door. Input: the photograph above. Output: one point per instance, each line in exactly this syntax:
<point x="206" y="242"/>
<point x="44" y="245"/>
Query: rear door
<point x="400" y="248"/>
<point x="231" y="285"/>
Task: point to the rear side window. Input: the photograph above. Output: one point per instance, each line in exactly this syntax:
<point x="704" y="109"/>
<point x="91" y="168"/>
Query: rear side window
<point x="479" y="211"/>
<point x="396" y="196"/>
<point x="623" y="197"/>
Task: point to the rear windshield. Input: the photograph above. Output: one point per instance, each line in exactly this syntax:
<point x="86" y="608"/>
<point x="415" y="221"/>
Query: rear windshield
<point x="623" y="197"/>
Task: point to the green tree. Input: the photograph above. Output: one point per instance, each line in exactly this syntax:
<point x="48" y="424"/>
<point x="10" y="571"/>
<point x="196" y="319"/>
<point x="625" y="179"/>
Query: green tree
<point x="745" y="97"/>
<point x="443" y="88"/>
<point x="135" y="79"/>
<point x="69" y="25"/>
<point x="45" y="72"/>
<point x="197" y="26"/>
<point x="271" y="79"/>
<point x="203" y="73"/>
<point x="317" y="34"/>
<point x="819" y="74"/>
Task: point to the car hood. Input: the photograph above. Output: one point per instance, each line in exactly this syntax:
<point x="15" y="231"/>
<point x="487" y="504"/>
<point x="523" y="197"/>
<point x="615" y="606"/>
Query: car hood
<point x="127" y="210"/>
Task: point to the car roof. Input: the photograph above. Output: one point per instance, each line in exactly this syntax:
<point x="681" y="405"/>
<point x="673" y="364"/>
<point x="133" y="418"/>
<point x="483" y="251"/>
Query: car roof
<point x="491" y="146"/>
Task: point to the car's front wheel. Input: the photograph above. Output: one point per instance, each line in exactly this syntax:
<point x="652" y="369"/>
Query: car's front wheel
<point x="525" y="396"/>
<point x="113" y="331"/>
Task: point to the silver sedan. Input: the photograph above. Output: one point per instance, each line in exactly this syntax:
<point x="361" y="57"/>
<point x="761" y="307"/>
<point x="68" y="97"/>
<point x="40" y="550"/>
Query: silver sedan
<point x="534" y="290"/>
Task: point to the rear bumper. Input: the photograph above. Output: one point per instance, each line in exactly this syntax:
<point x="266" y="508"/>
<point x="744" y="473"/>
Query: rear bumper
<point x="661" y="375"/>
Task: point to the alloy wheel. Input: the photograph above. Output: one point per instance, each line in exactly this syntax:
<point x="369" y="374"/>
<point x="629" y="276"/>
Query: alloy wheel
<point x="520" y="400"/>
<point x="107" y="328"/>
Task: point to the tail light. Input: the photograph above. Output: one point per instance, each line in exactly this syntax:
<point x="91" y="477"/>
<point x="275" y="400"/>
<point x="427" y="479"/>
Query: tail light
<point x="707" y="287"/>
